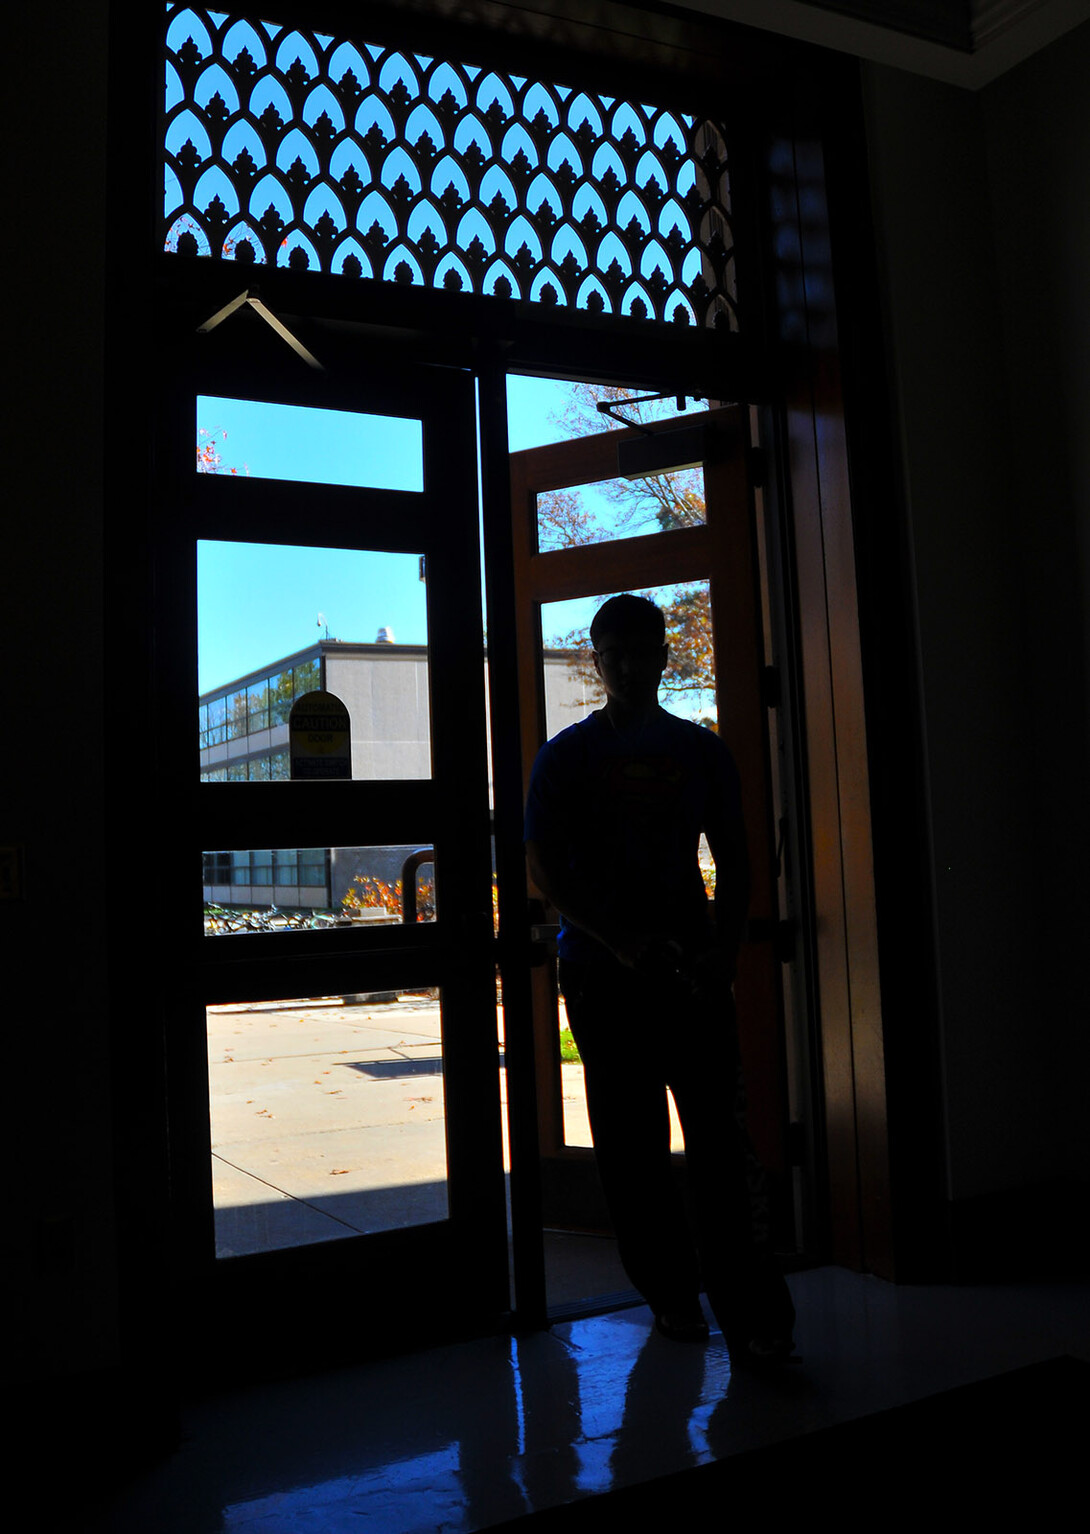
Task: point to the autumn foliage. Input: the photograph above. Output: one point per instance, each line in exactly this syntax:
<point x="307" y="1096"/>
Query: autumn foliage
<point x="371" y="894"/>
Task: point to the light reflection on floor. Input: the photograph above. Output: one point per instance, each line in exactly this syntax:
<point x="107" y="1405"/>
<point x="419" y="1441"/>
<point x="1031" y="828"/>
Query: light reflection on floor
<point x="463" y="1437"/>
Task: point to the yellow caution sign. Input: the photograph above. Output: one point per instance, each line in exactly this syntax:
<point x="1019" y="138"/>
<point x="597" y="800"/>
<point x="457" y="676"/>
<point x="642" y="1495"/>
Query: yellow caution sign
<point x="320" y="737"/>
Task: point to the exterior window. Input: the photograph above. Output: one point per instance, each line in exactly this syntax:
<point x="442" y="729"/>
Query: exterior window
<point x="217" y="868"/>
<point x="257" y="706"/>
<point x="312" y="866"/>
<point x="281" y="697"/>
<point x="217" y="722"/>
<point x="236" y="714"/>
<point x="306" y="678"/>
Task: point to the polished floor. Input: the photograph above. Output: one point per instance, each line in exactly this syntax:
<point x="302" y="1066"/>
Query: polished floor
<point x="467" y="1436"/>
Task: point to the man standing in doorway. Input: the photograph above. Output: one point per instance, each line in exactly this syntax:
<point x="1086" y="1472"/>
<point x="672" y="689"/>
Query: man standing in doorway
<point x="616" y="807"/>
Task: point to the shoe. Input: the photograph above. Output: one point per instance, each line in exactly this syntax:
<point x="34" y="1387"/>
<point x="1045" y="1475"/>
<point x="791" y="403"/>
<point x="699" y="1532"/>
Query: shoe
<point x="682" y="1325"/>
<point x="760" y="1352"/>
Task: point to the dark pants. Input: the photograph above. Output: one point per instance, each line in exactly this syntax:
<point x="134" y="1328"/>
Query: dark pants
<point x="638" y="1035"/>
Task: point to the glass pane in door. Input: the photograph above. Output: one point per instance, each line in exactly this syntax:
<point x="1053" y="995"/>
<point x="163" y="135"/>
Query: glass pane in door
<point x="259" y="440"/>
<point x="572" y="687"/>
<point x="275" y="622"/>
<point x="572" y="690"/>
<point x="297" y="889"/>
<point x="619" y="508"/>
<point x="542" y="411"/>
<point x="327" y="1118"/>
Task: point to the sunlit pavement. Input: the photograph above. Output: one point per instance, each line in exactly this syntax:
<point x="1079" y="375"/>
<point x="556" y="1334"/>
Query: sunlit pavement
<point x="328" y="1120"/>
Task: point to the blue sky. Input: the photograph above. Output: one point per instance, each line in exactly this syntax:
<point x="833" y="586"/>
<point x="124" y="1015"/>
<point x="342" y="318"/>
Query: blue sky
<point x="260" y="602"/>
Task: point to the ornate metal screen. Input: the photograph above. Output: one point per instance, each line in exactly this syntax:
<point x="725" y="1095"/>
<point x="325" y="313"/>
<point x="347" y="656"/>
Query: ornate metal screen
<point x="291" y="148"/>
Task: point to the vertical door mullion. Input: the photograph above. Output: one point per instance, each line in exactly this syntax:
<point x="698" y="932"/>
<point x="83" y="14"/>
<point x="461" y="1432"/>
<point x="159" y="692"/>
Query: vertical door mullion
<point x="506" y="705"/>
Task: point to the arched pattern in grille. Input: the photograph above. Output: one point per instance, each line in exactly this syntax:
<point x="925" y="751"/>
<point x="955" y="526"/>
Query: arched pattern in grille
<point x="288" y="147"/>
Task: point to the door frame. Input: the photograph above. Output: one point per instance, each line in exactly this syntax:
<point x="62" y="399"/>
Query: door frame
<point x="723" y="550"/>
<point x="815" y="367"/>
<point x="449" y="1276"/>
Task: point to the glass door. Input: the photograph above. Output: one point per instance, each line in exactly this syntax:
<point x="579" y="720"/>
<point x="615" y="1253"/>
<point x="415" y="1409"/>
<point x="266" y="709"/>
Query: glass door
<point x="664" y="508"/>
<point x="327" y="937"/>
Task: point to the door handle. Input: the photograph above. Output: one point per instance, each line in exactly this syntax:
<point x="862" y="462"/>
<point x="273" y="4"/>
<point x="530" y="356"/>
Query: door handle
<point x="780" y="932"/>
<point x="543" y="933"/>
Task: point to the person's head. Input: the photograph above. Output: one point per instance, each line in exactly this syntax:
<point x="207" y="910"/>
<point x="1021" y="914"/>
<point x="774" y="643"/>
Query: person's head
<point x="628" y="635"/>
<point x="631" y="618"/>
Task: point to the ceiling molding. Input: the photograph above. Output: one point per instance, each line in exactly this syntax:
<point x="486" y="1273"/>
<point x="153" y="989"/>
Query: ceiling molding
<point x="1001" y="33"/>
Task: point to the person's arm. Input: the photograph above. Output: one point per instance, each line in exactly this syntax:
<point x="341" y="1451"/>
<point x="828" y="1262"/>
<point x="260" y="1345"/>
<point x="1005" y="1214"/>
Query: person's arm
<point x="577" y="904"/>
<point x="556" y="784"/>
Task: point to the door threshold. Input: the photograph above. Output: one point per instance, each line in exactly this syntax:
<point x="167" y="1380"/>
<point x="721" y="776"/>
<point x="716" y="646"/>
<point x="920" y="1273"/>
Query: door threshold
<point x="599" y="1305"/>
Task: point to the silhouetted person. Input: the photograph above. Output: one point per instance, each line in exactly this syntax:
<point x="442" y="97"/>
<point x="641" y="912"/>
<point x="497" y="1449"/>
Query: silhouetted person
<point x="616" y="806"/>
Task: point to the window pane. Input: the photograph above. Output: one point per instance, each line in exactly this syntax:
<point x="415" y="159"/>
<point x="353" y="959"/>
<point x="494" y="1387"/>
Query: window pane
<point x="281" y="697"/>
<point x="257" y="703"/>
<point x="572" y="689"/>
<point x="316" y="888"/>
<point x="305" y="678"/>
<point x="217" y="716"/>
<point x="327" y="1118"/>
<point x="542" y="411"/>
<point x="299" y="443"/>
<point x="619" y="508"/>
<point x="255" y="606"/>
<point x="688" y="686"/>
<point x="236" y="714"/>
<point x="494" y="185"/>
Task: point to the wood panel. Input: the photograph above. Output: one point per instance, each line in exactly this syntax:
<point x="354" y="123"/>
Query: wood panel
<point x="722" y="551"/>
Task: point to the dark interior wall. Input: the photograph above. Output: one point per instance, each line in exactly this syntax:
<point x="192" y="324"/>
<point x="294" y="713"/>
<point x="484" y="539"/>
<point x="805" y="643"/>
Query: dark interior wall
<point x="51" y="802"/>
<point x="1037" y="122"/>
<point x="972" y="217"/>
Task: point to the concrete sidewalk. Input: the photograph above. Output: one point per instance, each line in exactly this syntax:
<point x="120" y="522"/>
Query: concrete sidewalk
<point x="328" y="1119"/>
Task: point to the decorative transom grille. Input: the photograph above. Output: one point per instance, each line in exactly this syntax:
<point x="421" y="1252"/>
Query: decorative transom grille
<point x="290" y="148"/>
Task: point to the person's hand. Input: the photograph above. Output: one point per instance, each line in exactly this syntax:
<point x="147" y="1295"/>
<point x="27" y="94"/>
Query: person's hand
<point x="660" y="960"/>
<point x="712" y="973"/>
<point x="648" y="952"/>
<point x="627" y="948"/>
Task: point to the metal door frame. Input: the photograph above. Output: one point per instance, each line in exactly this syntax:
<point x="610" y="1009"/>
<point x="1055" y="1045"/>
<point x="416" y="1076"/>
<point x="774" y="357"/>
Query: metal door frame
<point x="449" y="1277"/>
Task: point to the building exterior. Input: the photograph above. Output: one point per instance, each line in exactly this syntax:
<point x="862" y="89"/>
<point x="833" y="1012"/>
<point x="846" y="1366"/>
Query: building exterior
<point x="244" y="738"/>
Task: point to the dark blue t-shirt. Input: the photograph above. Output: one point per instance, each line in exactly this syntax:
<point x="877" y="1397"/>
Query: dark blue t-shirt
<point x="625" y="814"/>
